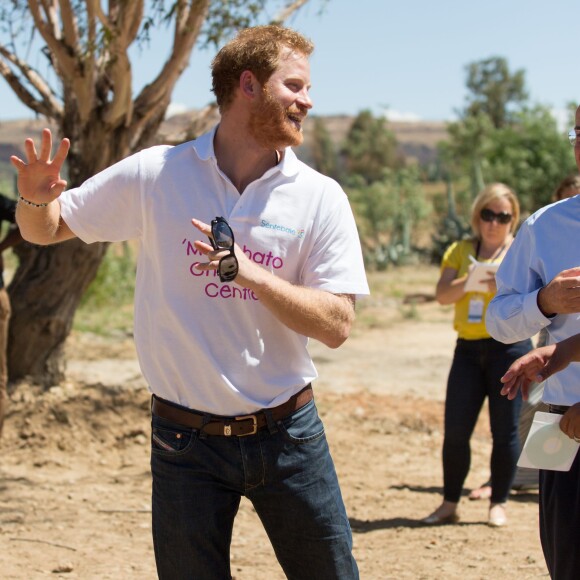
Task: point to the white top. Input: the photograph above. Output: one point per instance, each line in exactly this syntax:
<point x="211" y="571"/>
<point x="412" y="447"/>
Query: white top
<point x="208" y="345"/>
<point x="545" y="245"/>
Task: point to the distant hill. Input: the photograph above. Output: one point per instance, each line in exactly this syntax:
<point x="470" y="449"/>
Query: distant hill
<point x="13" y="134"/>
<point x="417" y="140"/>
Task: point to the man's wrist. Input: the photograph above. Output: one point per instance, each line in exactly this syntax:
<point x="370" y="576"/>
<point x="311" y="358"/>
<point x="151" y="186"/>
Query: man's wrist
<point x="31" y="203"/>
<point x="542" y="305"/>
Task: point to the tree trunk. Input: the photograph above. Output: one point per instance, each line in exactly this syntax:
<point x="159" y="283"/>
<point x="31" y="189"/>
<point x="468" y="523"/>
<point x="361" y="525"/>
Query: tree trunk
<point x="45" y="293"/>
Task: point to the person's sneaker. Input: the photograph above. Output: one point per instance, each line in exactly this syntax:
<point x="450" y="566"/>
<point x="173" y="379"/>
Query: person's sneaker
<point x="497" y="516"/>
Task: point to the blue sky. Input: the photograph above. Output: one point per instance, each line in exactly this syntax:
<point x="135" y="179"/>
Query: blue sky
<point x="405" y="56"/>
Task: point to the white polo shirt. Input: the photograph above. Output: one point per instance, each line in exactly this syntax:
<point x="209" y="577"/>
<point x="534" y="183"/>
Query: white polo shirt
<point x="201" y="343"/>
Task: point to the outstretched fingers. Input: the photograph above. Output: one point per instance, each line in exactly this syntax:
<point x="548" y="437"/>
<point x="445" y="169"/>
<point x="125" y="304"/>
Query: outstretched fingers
<point x="30" y="150"/>
<point x="17" y="162"/>
<point x="32" y="155"/>
<point x="61" y="152"/>
<point x="45" y="146"/>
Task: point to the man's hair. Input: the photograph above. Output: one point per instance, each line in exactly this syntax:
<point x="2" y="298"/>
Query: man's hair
<point x="487" y="195"/>
<point x="570" y="182"/>
<point x="256" y="49"/>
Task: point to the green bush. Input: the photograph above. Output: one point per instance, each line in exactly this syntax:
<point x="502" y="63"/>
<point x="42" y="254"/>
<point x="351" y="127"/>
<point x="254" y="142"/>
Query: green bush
<point x="114" y="284"/>
<point x="107" y="305"/>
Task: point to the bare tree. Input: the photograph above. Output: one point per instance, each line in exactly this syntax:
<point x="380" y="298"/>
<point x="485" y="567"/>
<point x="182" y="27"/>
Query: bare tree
<point x="88" y="97"/>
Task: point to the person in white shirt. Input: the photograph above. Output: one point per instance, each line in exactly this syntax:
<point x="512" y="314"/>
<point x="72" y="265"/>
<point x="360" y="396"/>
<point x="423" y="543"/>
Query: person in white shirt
<point x="539" y="287"/>
<point x="221" y="328"/>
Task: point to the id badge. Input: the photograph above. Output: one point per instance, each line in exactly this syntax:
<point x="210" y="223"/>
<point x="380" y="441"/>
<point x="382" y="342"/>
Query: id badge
<point x="475" y="314"/>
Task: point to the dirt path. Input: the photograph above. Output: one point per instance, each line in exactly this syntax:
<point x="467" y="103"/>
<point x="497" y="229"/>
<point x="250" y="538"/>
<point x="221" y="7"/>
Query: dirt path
<point x="75" y="483"/>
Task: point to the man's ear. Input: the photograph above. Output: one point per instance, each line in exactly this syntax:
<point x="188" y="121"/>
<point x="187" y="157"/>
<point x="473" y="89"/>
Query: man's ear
<point x="249" y="85"/>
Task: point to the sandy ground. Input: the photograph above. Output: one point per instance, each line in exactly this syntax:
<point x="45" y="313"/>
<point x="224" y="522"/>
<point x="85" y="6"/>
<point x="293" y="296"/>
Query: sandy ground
<point x="75" y="484"/>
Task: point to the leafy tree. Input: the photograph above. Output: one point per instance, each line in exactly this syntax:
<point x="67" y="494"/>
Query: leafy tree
<point x="500" y="138"/>
<point x="322" y="151"/>
<point x="531" y="155"/>
<point x="370" y="148"/>
<point x="467" y="147"/>
<point x="87" y="95"/>
<point x="390" y="212"/>
<point x="495" y="96"/>
<point x="494" y="90"/>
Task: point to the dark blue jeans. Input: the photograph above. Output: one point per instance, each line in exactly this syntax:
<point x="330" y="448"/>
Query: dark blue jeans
<point x="475" y="374"/>
<point x="287" y="473"/>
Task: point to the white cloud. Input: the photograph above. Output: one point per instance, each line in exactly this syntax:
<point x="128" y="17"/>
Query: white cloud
<point x="401" y="116"/>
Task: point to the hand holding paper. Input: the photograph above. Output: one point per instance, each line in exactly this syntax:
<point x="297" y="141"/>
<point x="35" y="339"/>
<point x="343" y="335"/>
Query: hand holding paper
<point x="480" y="274"/>
<point x="546" y="447"/>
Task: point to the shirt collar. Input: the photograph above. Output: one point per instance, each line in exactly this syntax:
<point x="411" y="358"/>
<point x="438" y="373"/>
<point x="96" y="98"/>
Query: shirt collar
<point x="203" y="147"/>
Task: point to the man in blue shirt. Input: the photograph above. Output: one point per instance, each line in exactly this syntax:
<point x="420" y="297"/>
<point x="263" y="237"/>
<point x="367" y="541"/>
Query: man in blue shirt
<point x="539" y="287"/>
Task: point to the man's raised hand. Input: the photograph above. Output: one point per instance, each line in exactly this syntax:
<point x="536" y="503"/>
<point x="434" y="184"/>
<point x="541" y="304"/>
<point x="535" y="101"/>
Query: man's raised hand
<point x="39" y="179"/>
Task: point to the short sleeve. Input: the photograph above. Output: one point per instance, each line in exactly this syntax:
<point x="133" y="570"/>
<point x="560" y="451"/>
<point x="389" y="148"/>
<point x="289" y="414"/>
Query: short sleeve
<point x="335" y="262"/>
<point x="107" y="207"/>
<point x="452" y="258"/>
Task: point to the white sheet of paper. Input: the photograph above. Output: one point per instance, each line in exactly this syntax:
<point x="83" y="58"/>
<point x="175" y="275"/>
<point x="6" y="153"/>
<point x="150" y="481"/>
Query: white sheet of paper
<point x="546" y="447"/>
<point x="479" y="272"/>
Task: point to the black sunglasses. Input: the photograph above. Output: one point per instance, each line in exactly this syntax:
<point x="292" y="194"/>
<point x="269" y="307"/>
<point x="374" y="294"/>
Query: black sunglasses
<point x="222" y="238"/>
<point x="502" y="217"/>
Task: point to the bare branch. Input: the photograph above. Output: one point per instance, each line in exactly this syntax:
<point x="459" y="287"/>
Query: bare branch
<point x="291" y="7"/>
<point x="50" y="10"/>
<point x="132" y="15"/>
<point x="124" y="33"/>
<point x="64" y="62"/>
<point x="69" y="24"/>
<point x="94" y="9"/>
<point x="188" y="23"/>
<point x="122" y="102"/>
<point x="48" y="105"/>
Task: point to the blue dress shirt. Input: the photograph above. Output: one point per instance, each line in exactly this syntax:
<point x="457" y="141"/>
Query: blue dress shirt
<point x="547" y="243"/>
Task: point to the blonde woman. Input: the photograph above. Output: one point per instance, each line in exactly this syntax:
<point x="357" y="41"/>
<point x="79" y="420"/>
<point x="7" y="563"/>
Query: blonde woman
<point x="526" y="478"/>
<point x="479" y="361"/>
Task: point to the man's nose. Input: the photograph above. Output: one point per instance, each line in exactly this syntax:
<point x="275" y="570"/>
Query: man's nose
<point x="304" y="99"/>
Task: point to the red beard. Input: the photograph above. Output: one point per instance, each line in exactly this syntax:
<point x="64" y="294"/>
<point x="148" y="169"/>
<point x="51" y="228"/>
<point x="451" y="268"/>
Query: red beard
<point x="270" y="125"/>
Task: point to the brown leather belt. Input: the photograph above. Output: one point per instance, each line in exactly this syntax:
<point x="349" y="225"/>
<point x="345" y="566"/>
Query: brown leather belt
<point x="228" y="426"/>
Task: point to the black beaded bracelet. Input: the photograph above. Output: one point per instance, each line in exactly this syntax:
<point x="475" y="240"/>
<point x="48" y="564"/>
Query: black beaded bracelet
<point x="20" y="198"/>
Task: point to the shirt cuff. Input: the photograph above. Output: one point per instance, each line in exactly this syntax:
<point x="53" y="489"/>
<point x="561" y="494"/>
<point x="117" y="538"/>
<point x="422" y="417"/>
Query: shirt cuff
<point x="533" y="311"/>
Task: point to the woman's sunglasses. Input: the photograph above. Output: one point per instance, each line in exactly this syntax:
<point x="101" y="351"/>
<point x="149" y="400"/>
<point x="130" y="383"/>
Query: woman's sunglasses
<point x="222" y="238"/>
<point x="502" y="217"/>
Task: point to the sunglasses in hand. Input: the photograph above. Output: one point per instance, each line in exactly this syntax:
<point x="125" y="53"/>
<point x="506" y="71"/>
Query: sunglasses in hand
<point x="222" y="238"/>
